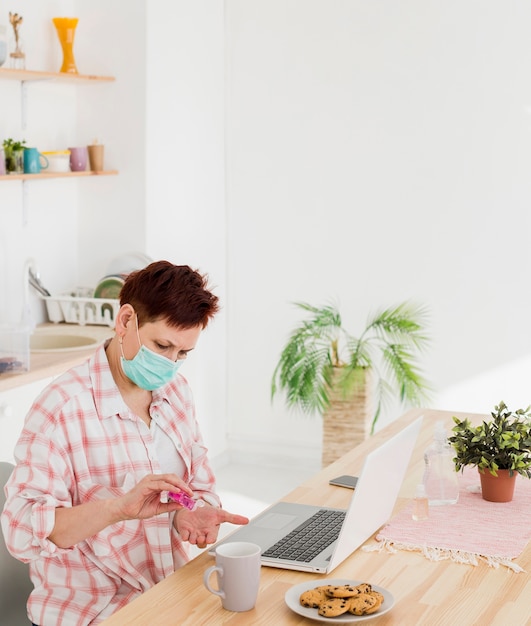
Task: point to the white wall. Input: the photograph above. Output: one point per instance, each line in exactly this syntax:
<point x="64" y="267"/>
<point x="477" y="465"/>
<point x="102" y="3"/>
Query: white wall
<point x="162" y="123"/>
<point x="111" y="40"/>
<point x="185" y="175"/>
<point x="376" y="151"/>
<point x="370" y="152"/>
<point x="75" y="227"/>
<point x="52" y="219"/>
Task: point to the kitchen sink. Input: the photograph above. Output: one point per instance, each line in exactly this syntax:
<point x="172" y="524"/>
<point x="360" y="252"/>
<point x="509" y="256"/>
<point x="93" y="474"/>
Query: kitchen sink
<point x="56" y="342"/>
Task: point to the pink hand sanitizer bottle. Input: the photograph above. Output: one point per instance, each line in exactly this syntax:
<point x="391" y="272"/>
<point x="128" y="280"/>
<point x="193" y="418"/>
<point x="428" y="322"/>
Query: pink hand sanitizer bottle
<point x="186" y="501"/>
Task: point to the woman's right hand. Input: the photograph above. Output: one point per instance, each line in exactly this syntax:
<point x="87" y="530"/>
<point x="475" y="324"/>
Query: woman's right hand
<point x="143" y="500"/>
<point x="76" y="523"/>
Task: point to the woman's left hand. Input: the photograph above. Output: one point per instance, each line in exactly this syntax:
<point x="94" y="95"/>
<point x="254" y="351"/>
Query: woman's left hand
<point x="201" y="526"/>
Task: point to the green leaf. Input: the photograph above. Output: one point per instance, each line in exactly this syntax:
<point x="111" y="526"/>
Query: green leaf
<point x="389" y="346"/>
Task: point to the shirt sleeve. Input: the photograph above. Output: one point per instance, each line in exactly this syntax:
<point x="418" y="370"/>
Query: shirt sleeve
<point x="203" y="482"/>
<point x="37" y="486"/>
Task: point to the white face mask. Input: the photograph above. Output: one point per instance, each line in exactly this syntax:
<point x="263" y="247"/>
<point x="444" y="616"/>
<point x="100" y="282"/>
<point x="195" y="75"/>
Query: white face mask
<point x="147" y="369"/>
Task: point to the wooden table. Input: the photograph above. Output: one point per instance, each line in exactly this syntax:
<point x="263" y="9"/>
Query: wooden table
<point x="439" y="593"/>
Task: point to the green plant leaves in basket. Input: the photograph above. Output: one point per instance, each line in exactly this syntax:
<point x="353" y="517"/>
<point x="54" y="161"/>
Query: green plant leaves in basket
<point x="320" y="351"/>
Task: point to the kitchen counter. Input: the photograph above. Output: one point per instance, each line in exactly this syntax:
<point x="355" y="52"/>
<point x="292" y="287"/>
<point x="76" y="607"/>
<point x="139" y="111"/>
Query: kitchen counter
<point x="46" y="364"/>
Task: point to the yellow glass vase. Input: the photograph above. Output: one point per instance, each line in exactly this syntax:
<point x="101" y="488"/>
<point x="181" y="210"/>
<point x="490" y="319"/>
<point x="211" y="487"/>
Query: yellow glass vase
<point x="66" y="29"/>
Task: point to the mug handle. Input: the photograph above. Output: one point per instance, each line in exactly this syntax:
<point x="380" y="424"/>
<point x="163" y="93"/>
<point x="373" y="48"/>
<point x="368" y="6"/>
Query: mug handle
<point x="41" y="156"/>
<point x="206" y="580"/>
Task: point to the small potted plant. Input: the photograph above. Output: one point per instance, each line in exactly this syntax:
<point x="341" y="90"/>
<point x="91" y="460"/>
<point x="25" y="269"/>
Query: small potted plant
<point x="14" y="155"/>
<point x="324" y="369"/>
<point x="500" y="448"/>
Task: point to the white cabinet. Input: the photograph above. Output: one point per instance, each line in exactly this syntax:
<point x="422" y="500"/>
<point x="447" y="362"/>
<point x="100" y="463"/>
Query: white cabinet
<point x="14" y="405"/>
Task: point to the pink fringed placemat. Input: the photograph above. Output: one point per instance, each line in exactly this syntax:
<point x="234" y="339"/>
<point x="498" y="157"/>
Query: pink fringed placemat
<point x="470" y="531"/>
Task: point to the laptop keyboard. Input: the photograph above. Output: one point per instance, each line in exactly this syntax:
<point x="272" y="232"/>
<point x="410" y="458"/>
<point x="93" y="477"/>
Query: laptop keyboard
<point x="306" y="541"/>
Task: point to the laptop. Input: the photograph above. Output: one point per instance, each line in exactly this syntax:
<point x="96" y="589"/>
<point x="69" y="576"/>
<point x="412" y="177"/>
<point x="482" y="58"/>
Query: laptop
<point x="278" y="529"/>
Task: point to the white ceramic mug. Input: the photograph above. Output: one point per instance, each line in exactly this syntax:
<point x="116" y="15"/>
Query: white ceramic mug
<point x="238" y="573"/>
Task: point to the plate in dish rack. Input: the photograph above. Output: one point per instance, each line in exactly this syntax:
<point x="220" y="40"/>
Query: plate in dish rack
<point x="128" y="263"/>
<point x="293" y="594"/>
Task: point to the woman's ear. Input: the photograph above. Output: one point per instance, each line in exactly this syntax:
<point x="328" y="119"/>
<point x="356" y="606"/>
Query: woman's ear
<point x="125" y="314"/>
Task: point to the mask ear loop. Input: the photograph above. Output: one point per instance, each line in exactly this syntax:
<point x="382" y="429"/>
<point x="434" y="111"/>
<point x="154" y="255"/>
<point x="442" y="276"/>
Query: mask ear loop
<point x="137" y="333"/>
<point x="121" y="339"/>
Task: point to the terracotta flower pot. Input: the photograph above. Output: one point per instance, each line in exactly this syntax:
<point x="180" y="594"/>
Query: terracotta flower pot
<point x="497" y="488"/>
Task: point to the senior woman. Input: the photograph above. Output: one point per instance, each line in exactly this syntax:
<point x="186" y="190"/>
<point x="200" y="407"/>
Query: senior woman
<point x="102" y="446"/>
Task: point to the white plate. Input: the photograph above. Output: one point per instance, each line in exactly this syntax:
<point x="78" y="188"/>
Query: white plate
<point x="128" y="263"/>
<point x="292" y="600"/>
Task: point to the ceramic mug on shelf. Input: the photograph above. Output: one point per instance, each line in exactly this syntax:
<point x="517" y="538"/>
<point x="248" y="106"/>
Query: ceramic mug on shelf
<point x="238" y="573"/>
<point x="78" y="159"/>
<point x="59" y="160"/>
<point x="34" y="161"/>
<point x="95" y="152"/>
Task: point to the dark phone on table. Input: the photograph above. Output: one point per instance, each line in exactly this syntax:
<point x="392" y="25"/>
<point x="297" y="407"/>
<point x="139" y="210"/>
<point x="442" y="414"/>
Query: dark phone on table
<point x="345" y="481"/>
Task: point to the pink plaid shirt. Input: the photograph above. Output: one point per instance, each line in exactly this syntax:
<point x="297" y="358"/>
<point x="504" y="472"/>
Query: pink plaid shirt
<point x="81" y="442"/>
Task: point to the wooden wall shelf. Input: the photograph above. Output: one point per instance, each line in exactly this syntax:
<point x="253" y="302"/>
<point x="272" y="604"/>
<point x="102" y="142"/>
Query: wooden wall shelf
<point x="25" y="78"/>
<point x="34" y="75"/>
<point x="44" y="175"/>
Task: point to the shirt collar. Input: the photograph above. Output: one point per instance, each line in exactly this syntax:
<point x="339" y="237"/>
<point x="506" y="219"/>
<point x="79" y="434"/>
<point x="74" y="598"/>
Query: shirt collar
<point x="107" y="397"/>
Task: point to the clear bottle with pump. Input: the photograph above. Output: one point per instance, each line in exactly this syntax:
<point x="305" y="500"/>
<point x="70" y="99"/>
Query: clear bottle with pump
<point x="440" y="478"/>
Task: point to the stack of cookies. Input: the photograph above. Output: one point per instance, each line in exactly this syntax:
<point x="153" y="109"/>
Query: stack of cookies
<point x="331" y="601"/>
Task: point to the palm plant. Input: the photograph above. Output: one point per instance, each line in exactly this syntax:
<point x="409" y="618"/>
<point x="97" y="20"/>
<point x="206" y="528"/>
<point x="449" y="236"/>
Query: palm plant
<point x="320" y="354"/>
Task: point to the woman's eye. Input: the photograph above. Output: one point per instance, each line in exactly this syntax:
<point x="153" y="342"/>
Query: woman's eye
<point x="161" y="347"/>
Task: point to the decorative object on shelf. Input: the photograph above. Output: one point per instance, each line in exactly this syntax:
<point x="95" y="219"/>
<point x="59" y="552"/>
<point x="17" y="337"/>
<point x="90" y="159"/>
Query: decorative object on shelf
<point x="66" y="30"/>
<point x="18" y="56"/>
<point x="2" y="161"/>
<point x="34" y="161"/>
<point x="323" y="369"/>
<point x="78" y="159"/>
<point x="3" y="45"/>
<point x="500" y="448"/>
<point x="14" y="155"/>
<point x="95" y="152"/>
<point x="58" y="160"/>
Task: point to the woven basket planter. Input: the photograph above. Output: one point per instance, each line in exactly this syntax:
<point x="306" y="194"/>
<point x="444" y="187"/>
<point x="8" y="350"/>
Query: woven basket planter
<point x="347" y="422"/>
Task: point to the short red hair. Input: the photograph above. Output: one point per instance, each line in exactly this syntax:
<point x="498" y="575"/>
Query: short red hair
<point x="175" y="293"/>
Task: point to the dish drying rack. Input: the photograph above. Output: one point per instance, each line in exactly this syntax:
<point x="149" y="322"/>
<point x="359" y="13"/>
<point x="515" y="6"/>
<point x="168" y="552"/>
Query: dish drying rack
<point x="76" y="307"/>
<point x="81" y="310"/>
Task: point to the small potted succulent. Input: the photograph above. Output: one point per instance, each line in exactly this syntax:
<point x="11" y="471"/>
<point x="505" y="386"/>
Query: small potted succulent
<point x="14" y="155"/>
<point x="500" y="448"/>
